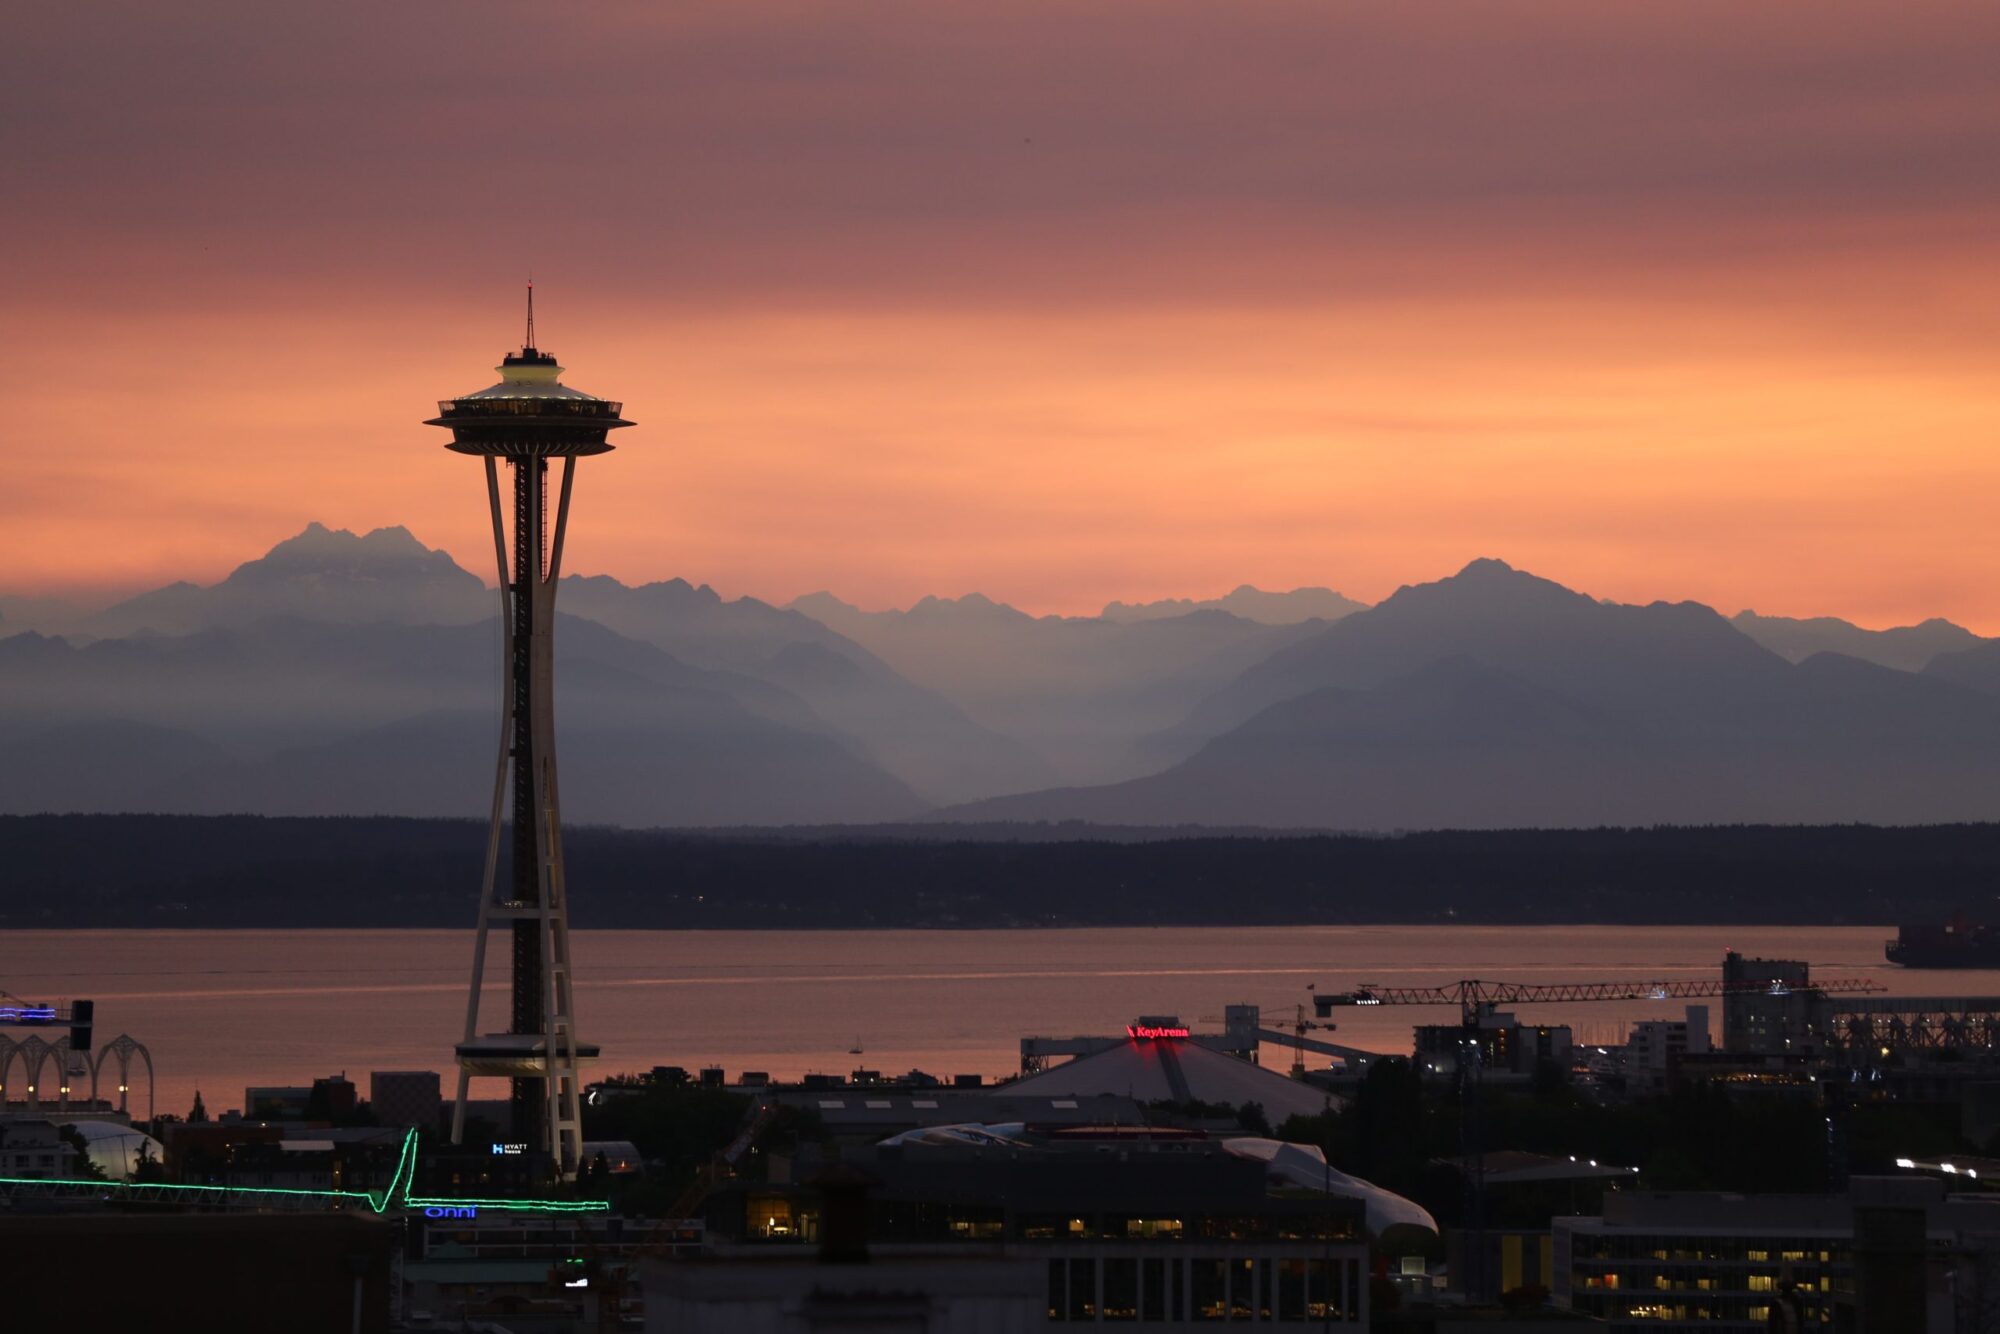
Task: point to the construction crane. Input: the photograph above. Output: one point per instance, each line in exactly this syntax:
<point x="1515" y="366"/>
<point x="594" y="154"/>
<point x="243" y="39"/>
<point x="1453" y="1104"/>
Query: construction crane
<point x="1477" y="998"/>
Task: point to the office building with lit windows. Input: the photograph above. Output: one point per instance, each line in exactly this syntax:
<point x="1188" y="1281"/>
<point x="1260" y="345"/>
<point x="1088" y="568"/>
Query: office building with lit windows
<point x="1121" y="1226"/>
<point x="1891" y="1254"/>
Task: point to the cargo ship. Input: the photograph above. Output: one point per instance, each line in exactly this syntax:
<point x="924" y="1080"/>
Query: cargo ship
<point x="1959" y="943"/>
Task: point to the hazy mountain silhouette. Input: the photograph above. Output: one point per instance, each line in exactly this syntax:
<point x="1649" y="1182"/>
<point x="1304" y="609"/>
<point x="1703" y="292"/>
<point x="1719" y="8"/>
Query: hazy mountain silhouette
<point x="1252" y="604"/>
<point x="1082" y="691"/>
<point x="1977" y="667"/>
<point x="728" y="771"/>
<point x="288" y="703"/>
<point x="916" y="734"/>
<point x="1495" y="698"/>
<point x="1676" y="657"/>
<point x="359" y="674"/>
<point x="336" y="578"/>
<point x="51" y="615"/>
<point x="320" y="575"/>
<point x="1908" y="648"/>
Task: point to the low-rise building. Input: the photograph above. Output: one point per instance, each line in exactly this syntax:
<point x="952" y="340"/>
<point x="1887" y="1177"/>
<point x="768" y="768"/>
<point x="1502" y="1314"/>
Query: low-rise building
<point x="1666" y="1260"/>
<point x="1120" y="1225"/>
<point x="1657" y="1047"/>
<point x="32" y="1148"/>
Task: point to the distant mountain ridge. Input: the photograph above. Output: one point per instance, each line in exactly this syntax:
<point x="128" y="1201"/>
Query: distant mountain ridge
<point x="1908" y="648"/>
<point x="321" y="574"/>
<point x="1083" y="691"/>
<point x="1252" y="604"/>
<point x="1494" y="698"/>
<point x="358" y="673"/>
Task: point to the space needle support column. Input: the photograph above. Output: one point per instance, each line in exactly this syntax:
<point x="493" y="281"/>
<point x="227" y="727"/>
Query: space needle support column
<point x="498" y="814"/>
<point x="529" y="859"/>
<point x="562" y="1088"/>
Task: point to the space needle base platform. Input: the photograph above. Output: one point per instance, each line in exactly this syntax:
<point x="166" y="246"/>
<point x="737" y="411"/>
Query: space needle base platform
<point x="516" y="1055"/>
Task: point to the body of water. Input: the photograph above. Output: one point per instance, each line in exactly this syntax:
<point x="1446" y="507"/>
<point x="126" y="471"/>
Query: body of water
<point x="221" y="1010"/>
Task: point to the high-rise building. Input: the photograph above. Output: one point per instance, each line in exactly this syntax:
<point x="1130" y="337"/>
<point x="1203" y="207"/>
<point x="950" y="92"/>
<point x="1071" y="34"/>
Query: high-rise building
<point x="406" y="1097"/>
<point x="1767" y="1009"/>
<point x="525" y="421"/>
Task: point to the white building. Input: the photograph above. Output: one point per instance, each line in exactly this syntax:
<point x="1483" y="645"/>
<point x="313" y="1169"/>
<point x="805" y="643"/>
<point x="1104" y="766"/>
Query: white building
<point x="35" y="1149"/>
<point x="1657" y="1045"/>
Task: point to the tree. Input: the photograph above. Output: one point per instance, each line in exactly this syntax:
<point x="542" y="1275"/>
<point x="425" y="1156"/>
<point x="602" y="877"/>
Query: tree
<point x="86" y="1167"/>
<point x="147" y="1168"/>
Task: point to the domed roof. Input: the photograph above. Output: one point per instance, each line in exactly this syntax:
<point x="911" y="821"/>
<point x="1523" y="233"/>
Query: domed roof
<point x="116" y="1148"/>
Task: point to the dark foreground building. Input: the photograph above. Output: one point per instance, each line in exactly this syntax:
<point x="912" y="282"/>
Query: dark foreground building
<point x="1009" y="1234"/>
<point x="303" y="1273"/>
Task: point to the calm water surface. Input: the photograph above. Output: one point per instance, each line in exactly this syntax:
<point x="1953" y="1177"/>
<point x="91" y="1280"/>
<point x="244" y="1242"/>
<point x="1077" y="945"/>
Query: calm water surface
<point x="224" y="1009"/>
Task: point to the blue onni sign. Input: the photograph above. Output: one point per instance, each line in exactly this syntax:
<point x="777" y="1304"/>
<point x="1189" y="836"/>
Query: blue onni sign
<point x="451" y="1211"/>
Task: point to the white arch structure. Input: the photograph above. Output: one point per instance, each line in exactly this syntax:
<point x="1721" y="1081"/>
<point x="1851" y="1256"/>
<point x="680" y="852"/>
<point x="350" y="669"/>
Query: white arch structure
<point x="34" y="1052"/>
<point x="125" y="1048"/>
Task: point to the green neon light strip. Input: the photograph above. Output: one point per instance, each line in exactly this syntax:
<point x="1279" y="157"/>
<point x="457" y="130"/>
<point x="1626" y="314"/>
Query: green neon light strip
<point x="397" y="1193"/>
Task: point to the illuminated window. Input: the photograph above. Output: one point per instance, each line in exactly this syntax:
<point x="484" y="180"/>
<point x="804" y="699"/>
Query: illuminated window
<point x="1083" y="1289"/>
<point x="1121" y="1289"/>
<point x="1205" y="1284"/>
<point x="1761" y="1283"/>
<point x="1243" y="1290"/>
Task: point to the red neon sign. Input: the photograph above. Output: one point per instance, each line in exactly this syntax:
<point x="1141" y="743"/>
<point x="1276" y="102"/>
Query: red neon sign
<point x="1154" y="1031"/>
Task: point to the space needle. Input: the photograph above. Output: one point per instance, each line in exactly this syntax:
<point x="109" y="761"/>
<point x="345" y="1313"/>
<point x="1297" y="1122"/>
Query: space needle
<point x="525" y="421"/>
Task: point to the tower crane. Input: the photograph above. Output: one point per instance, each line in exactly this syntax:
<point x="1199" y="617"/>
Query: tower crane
<point x="1476" y="998"/>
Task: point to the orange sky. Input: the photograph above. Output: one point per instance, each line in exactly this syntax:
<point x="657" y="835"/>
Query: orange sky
<point x="1059" y="302"/>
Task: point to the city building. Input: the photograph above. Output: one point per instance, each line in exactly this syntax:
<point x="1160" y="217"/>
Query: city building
<point x="1506" y="1045"/>
<point x="32" y="1148"/>
<point x="1656" y="1048"/>
<point x="1767" y="1006"/>
<point x="1892" y="1256"/>
<point x="1121" y="1224"/>
<point x="868" y="1115"/>
<point x="308" y="1273"/>
<point x="969" y="1290"/>
<point x="333" y="1097"/>
<point x="406" y="1097"/>
<point x="522" y="1269"/>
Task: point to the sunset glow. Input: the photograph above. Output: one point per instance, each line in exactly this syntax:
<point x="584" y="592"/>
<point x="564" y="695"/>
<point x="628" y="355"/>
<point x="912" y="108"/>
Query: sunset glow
<point x="1060" y="303"/>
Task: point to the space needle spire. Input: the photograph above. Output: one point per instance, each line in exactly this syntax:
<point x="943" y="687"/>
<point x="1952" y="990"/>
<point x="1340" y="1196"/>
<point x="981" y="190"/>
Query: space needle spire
<point x="526" y="421"/>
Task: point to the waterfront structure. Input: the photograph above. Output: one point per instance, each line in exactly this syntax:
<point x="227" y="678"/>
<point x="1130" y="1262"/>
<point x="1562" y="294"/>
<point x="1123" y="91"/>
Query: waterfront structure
<point x="526" y="421"/>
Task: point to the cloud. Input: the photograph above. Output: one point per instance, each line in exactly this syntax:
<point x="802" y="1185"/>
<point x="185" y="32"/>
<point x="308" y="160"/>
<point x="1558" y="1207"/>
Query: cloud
<point x="1064" y="301"/>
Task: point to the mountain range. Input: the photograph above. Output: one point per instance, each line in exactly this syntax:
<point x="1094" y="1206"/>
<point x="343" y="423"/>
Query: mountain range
<point x="358" y="674"/>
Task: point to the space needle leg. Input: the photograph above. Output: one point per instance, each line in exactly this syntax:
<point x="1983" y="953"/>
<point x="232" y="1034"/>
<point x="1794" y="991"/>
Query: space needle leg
<point x="499" y="805"/>
<point x="559" y="1018"/>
